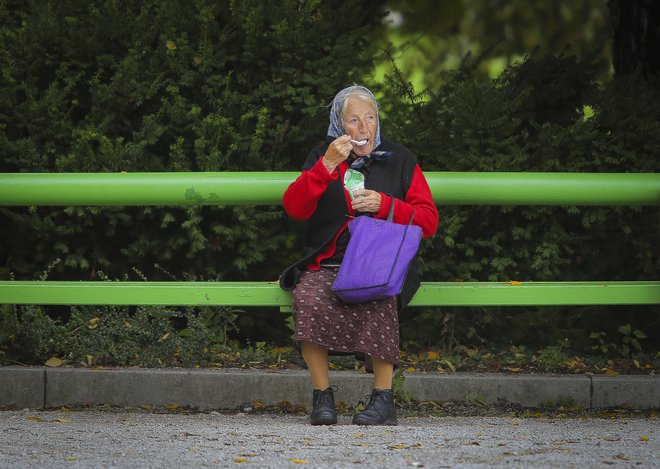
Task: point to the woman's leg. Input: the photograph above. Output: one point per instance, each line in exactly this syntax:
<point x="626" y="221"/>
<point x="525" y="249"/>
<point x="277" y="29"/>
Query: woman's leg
<point x="317" y="361"/>
<point x="383" y="373"/>
<point x="380" y="409"/>
<point x="323" y="399"/>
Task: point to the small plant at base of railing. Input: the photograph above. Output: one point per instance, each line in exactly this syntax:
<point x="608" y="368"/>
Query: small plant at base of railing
<point x="630" y="341"/>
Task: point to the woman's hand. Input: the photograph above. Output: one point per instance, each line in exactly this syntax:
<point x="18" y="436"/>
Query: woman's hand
<point x="337" y="152"/>
<point x="366" y="200"/>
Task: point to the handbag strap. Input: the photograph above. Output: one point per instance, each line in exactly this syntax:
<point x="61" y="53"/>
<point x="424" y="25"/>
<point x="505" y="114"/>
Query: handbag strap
<point x="390" y="215"/>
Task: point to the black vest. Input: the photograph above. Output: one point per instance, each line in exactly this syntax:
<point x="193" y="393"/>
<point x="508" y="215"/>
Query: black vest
<point x="391" y="176"/>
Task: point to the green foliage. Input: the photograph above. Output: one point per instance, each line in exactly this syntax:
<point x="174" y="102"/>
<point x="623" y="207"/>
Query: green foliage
<point x="531" y="118"/>
<point x="241" y="86"/>
<point x="552" y="356"/>
<point x="217" y="321"/>
<point x="28" y="335"/>
<point x="166" y="86"/>
<point x="629" y="338"/>
<point x="438" y="35"/>
<point x="115" y="336"/>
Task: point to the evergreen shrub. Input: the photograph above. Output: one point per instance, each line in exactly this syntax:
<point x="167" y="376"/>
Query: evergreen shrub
<point x="545" y="114"/>
<point x="166" y="86"/>
<point x="170" y="85"/>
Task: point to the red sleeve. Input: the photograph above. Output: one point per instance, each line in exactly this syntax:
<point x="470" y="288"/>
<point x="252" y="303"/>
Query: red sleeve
<point x="419" y="199"/>
<point x="302" y="196"/>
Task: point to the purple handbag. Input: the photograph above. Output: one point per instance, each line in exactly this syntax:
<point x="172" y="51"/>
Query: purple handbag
<point x="377" y="258"/>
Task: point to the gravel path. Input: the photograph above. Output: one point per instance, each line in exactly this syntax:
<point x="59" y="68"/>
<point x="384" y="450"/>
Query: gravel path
<point x="87" y="438"/>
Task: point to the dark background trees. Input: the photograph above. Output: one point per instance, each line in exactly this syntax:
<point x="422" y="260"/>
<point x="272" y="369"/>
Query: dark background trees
<point x="636" y="28"/>
<point x="226" y="86"/>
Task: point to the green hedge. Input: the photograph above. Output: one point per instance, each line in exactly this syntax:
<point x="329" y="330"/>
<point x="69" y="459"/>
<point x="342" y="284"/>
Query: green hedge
<point x="212" y="86"/>
<point x="545" y="114"/>
<point x="166" y="86"/>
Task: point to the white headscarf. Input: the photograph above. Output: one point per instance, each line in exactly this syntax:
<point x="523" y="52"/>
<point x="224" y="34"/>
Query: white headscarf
<point x="336" y="128"/>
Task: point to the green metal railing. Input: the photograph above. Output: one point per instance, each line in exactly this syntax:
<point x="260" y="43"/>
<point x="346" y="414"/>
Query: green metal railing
<point x="253" y="188"/>
<point x="243" y="188"/>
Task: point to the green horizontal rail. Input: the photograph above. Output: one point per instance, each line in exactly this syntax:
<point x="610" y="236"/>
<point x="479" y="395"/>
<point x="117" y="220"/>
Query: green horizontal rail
<point x="266" y="188"/>
<point x="242" y="294"/>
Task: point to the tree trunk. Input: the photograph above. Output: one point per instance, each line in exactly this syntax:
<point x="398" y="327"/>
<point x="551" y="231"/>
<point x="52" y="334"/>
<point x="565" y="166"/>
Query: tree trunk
<point x="636" y="28"/>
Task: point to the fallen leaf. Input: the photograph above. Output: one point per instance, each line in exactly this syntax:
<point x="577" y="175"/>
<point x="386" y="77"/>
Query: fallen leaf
<point x="612" y="438"/>
<point x="173" y="406"/>
<point x="449" y="364"/>
<point x="90" y="358"/>
<point x="622" y="457"/>
<point x="71" y="458"/>
<point x="62" y="420"/>
<point x="410" y="369"/>
<point x="299" y="461"/>
<point x="64" y="409"/>
<point x="36" y="419"/>
<point x="611" y="373"/>
<point x="644" y="438"/>
<point x="240" y="459"/>
<point x="432" y="355"/>
<point x="514" y="370"/>
<point x="471" y="352"/>
<point x="92" y="323"/>
<point x="171" y="45"/>
<point x="341" y="406"/>
<point x="430" y="403"/>
<point x="514" y="283"/>
<point x="399" y="446"/>
<point x="54" y="362"/>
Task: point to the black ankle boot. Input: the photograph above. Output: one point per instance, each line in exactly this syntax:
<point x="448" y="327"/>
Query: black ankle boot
<point x="323" y="407"/>
<point x="380" y="409"/>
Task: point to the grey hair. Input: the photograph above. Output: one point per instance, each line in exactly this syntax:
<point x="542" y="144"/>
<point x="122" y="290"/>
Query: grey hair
<point x="336" y="127"/>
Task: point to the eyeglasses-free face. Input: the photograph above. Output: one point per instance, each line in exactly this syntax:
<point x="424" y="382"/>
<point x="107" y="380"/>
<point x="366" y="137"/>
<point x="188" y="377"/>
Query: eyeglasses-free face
<point x="360" y="123"/>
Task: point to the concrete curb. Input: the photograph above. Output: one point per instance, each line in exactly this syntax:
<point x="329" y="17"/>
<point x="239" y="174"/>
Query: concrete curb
<point x="43" y="387"/>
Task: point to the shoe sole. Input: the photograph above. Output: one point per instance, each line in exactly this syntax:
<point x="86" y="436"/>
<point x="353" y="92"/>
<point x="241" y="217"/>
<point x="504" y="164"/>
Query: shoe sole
<point x="389" y="422"/>
<point x="325" y="422"/>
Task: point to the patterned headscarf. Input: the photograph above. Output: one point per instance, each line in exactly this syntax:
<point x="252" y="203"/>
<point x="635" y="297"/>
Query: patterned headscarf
<point x="336" y="128"/>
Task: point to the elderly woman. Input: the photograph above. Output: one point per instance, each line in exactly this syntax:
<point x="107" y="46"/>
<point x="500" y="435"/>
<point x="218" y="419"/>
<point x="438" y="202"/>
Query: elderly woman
<point x="318" y="196"/>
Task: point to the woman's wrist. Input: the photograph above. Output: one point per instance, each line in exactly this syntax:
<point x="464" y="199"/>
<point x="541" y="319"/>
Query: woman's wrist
<point x="329" y="165"/>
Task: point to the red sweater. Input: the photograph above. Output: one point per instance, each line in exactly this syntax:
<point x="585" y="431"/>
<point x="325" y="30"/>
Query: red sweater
<point x="301" y="198"/>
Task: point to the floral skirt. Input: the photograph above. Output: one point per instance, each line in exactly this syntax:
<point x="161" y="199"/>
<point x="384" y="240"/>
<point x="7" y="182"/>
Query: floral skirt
<point x="322" y="319"/>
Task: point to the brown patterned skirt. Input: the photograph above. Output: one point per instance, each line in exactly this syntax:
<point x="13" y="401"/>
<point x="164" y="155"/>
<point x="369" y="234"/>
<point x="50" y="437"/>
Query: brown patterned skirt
<point x="322" y="319"/>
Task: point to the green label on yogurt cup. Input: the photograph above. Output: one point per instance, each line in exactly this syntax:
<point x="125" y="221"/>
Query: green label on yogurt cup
<point x="353" y="181"/>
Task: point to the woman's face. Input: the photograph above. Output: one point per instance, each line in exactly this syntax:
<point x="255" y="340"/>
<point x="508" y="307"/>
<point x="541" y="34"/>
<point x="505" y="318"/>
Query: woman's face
<point x="361" y="124"/>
